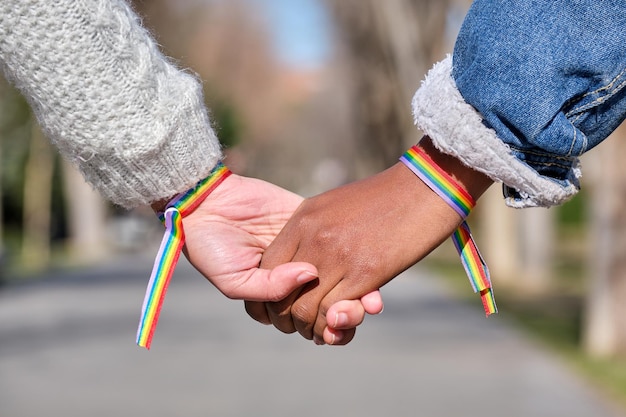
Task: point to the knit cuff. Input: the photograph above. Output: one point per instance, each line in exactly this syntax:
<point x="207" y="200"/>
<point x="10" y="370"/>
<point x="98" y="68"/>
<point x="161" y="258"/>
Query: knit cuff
<point x="183" y="152"/>
<point x="456" y="128"/>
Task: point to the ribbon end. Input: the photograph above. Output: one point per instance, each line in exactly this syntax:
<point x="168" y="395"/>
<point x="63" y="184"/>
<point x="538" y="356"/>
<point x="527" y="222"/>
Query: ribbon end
<point x="489" y="302"/>
<point x="144" y="344"/>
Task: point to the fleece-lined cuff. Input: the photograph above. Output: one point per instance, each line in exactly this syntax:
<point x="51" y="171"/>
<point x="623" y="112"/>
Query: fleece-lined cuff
<point x="456" y="128"/>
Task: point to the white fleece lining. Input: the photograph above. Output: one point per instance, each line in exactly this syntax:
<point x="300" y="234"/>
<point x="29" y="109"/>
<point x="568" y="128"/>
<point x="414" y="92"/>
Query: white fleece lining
<point x="456" y="128"/>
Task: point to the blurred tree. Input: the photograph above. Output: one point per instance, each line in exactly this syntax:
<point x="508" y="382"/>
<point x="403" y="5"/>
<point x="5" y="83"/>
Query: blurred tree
<point x="225" y="118"/>
<point x="499" y="237"/>
<point x="233" y="53"/>
<point x="31" y="194"/>
<point x="171" y="22"/>
<point x="229" y="49"/>
<point x="391" y="45"/>
<point x="86" y="214"/>
<point x="604" y="329"/>
<point x="15" y="134"/>
<point x="518" y="244"/>
<point x="38" y="171"/>
<point x="3" y="104"/>
<point x="536" y="231"/>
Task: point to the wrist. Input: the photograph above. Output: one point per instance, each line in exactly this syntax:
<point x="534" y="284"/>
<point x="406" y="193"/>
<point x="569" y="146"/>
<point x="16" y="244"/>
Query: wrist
<point x="187" y="201"/>
<point x="459" y="186"/>
<point x="472" y="181"/>
<point x="171" y="213"/>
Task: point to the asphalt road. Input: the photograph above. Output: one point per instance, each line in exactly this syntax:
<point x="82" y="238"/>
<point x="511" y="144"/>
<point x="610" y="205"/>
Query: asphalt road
<point x="67" y="349"/>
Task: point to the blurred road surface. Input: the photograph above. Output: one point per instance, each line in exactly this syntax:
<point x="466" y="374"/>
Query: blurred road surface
<point x="67" y="350"/>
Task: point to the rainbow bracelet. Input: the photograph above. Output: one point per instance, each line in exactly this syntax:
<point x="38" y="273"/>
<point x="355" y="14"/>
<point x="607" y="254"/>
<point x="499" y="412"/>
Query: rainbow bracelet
<point x="452" y="193"/>
<point x="171" y="247"/>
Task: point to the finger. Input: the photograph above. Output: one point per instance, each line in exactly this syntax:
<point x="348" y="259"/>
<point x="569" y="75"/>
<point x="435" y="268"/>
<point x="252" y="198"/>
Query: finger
<point x="373" y="302"/>
<point x="307" y="310"/>
<point x="257" y="311"/>
<point x="339" y="312"/>
<point x="345" y="314"/>
<point x="281" y="251"/>
<point x="271" y="284"/>
<point x="338" y="337"/>
<point x="279" y="312"/>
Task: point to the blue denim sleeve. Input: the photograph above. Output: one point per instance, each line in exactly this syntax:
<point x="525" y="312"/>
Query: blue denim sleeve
<point x="545" y="81"/>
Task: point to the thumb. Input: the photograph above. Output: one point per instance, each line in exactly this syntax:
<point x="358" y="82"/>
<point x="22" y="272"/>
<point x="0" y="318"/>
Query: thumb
<point x="277" y="283"/>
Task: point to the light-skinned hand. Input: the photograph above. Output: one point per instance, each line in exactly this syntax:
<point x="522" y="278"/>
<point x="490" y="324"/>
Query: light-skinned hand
<point x="228" y="233"/>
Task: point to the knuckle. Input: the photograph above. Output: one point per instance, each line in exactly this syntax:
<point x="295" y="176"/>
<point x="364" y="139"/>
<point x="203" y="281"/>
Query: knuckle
<point x="303" y="313"/>
<point x="257" y="312"/>
<point x="328" y="239"/>
<point x="304" y="319"/>
<point x="280" y="316"/>
<point x="279" y="308"/>
<point x="284" y="323"/>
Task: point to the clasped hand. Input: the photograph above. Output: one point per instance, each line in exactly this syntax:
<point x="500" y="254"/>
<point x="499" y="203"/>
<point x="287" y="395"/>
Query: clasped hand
<point x="230" y="230"/>
<point x="359" y="236"/>
<point x="305" y="265"/>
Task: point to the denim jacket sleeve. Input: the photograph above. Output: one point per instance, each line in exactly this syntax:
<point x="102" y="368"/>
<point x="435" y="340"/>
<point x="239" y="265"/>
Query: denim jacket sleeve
<point x="531" y="86"/>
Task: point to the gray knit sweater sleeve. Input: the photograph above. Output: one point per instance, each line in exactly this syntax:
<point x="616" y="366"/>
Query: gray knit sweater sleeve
<point x="134" y="124"/>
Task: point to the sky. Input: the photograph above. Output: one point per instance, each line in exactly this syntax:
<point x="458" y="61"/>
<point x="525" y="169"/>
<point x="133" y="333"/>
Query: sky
<point x="300" y="30"/>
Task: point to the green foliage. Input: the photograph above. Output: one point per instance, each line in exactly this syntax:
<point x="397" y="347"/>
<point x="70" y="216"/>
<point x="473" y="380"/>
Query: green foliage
<point x="574" y="212"/>
<point x="225" y="118"/>
<point x="15" y="131"/>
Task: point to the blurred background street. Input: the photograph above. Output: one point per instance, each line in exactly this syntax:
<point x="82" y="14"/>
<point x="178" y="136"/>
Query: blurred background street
<point x="309" y="95"/>
<point x="67" y="350"/>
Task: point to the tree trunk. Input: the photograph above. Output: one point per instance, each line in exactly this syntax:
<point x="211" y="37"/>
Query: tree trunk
<point x="604" y="332"/>
<point x="391" y="44"/>
<point x="499" y="237"/>
<point x="537" y="236"/>
<point x="86" y="217"/>
<point x="3" y="103"/>
<point x="35" y="253"/>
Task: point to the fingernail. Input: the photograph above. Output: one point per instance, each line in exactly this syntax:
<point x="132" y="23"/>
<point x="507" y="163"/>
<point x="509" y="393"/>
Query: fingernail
<point x="336" y="337"/>
<point x="318" y="341"/>
<point x="341" y="319"/>
<point x="305" y="276"/>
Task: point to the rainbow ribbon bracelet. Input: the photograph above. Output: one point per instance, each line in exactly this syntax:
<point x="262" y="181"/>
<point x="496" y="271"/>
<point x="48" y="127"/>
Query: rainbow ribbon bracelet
<point x="170" y="249"/>
<point x="452" y="193"/>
